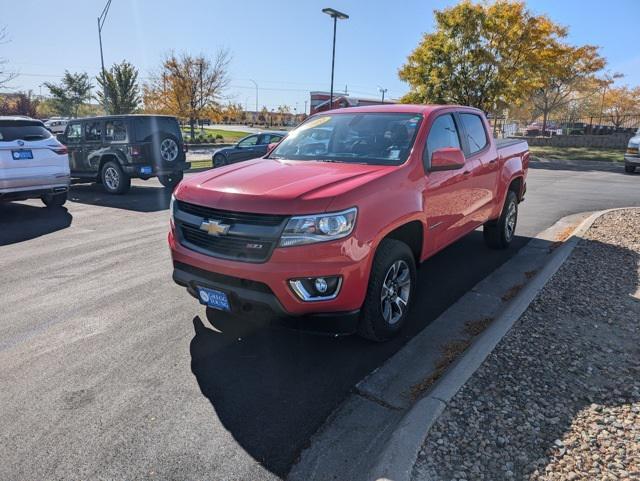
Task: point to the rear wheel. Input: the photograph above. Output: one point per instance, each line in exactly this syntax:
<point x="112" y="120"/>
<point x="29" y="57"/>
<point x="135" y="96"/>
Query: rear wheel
<point x="54" y="200"/>
<point x="171" y="180"/>
<point x="114" y="180"/>
<point x="500" y="233"/>
<point x="219" y="160"/>
<point x="390" y="292"/>
<point x="629" y="169"/>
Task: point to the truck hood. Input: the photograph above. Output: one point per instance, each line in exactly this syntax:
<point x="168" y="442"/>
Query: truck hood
<point x="276" y="186"/>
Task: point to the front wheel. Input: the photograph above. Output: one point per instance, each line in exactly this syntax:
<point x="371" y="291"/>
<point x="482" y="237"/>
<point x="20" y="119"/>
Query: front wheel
<point x="171" y="180"/>
<point x="54" y="200"/>
<point x="629" y="169"/>
<point x="219" y="160"/>
<point x="114" y="180"/>
<point x="391" y="287"/>
<point x="500" y="233"/>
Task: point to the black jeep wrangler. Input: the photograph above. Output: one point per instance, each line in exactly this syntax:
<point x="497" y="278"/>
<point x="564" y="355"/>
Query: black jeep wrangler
<point x="113" y="149"/>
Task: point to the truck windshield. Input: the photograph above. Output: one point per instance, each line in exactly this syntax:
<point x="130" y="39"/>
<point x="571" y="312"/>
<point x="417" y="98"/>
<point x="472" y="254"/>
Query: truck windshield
<point x="367" y="138"/>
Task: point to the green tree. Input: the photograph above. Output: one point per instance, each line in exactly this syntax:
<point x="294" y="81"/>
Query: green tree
<point x="487" y="55"/>
<point x="70" y="93"/>
<point x="119" y="92"/>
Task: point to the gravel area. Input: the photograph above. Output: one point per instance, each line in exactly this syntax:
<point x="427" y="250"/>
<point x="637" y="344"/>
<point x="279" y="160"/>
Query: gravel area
<point x="559" y="398"/>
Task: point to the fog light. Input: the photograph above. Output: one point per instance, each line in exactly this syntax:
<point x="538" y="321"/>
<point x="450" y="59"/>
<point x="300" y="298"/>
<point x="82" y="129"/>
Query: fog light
<point x="321" y="285"/>
<point x="316" y="288"/>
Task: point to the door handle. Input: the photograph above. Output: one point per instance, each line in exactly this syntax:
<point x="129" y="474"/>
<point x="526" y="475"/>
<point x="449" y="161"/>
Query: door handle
<point x="466" y="172"/>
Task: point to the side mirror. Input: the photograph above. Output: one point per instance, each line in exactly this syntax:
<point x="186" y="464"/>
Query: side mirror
<point x="62" y="138"/>
<point x="448" y="158"/>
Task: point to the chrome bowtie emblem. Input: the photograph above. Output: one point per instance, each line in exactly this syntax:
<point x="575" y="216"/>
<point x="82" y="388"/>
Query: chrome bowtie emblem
<point x="214" y="227"/>
<point x="20" y="143"/>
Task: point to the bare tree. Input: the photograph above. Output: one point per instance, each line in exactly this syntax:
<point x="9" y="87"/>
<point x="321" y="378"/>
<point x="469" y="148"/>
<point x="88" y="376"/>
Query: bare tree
<point x="5" y="75"/>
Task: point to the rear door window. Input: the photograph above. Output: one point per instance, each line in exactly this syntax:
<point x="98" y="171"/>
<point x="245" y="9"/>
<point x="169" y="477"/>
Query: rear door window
<point x="93" y="131"/>
<point x="74" y="133"/>
<point x="475" y="132"/>
<point x="443" y="133"/>
<point x="11" y="130"/>
<point x="115" y="131"/>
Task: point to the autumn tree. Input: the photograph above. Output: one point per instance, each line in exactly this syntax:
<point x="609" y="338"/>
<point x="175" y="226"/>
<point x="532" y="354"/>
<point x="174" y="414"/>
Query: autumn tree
<point x="620" y="102"/>
<point x="487" y="55"/>
<point x="188" y="87"/>
<point x="568" y="73"/>
<point x="119" y="92"/>
<point x="21" y="104"/>
<point x="232" y="112"/>
<point x="70" y="93"/>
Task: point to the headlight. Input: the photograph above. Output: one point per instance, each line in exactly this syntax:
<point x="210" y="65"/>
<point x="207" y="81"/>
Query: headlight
<point x="171" y="202"/>
<point x="308" y="229"/>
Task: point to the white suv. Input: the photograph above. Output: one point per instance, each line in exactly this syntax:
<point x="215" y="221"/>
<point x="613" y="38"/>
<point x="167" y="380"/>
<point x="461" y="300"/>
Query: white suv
<point x="33" y="164"/>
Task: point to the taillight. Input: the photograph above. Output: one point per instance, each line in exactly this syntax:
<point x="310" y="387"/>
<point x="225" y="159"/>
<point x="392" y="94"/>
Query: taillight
<point x="62" y="150"/>
<point x="134" y="151"/>
<point x="185" y="148"/>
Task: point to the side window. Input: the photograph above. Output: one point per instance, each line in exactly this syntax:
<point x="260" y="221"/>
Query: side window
<point x="476" y="134"/>
<point x="93" y="131"/>
<point x="74" y="134"/>
<point x="115" y="131"/>
<point x="443" y="133"/>
<point x="269" y="139"/>
<point x="248" y="141"/>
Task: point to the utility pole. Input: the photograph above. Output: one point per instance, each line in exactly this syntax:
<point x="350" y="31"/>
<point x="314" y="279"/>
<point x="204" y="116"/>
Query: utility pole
<point x="201" y="99"/>
<point x="256" y="84"/>
<point x="382" y="91"/>
<point x="335" y="15"/>
<point x="101" y="20"/>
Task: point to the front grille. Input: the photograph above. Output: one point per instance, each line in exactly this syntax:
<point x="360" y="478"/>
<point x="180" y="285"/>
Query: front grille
<point x="229" y="217"/>
<point x="250" y="238"/>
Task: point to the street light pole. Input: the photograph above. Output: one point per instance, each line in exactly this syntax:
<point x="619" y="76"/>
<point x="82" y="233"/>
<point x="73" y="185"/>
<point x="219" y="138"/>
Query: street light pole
<point x="382" y="91"/>
<point x="335" y="15"/>
<point x="101" y="19"/>
<point x="256" y="84"/>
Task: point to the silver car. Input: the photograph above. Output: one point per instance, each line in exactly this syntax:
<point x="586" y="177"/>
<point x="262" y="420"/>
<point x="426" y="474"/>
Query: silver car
<point x="632" y="155"/>
<point x="33" y="164"/>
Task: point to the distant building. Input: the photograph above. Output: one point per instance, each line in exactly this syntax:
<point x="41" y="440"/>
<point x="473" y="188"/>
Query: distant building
<point x="320" y="101"/>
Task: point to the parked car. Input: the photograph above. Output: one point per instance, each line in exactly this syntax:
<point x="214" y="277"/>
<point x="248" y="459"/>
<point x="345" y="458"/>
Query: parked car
<point x="33" y="164"/>
<point x="56" y="125"/>
<point x="250" y="147"/>
<point x="114" y="149"/>
<point x="632" y="155"/>
<point x="339" y="227"/>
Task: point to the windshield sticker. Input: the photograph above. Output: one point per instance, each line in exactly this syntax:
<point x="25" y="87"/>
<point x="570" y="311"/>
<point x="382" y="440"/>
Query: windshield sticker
<point x="394" y="154"/>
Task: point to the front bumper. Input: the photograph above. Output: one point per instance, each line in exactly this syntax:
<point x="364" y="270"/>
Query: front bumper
<point x="136" y="170"/>
<point x="632" y="160"/>
<point x="267" y="283"/>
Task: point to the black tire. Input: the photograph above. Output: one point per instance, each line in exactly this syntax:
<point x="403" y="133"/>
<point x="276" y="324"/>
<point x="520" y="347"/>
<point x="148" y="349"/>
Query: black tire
<point x="114" y="180"/>
<point x="54" y="200"/>
<point x="219" y="160"/>
<point x="373" y="324"/>
<point x="499" y="234"/>
<point x="171" y="180"/>
<point x="629" y="169"/>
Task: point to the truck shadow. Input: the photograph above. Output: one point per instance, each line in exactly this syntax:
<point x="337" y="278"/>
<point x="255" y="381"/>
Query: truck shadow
<point x="20" y="222"/>
<point x="139" y="199"/>
<point x="273" y="387"/>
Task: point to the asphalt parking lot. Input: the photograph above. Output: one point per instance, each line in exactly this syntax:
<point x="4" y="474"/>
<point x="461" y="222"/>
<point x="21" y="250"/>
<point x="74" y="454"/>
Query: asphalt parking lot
<point x="110" y="371"/>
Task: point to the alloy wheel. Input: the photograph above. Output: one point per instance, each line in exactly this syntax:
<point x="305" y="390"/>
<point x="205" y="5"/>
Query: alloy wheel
<point x="111" y="178"/>
<point x="169" y="150"/>
<point x="396" y="288"/>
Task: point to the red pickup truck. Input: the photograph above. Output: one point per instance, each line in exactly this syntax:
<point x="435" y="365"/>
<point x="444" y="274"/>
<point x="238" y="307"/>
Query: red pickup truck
<point x="337" y="223"/>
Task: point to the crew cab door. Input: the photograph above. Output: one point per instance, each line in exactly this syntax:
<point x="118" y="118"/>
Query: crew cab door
<point x="92" y="144"/>
<point x="449" y="196"/>
<point x="480" y="150"/>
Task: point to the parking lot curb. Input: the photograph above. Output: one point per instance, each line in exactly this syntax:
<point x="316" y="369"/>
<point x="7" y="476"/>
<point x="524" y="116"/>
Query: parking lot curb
<point x="400" y="452"/>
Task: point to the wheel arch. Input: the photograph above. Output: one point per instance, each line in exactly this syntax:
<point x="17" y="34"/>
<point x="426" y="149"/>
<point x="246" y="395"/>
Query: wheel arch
<point x="411" y="233"/>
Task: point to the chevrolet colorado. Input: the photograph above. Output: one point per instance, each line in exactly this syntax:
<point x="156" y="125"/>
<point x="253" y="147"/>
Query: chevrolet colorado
<point x="338" y="226"/>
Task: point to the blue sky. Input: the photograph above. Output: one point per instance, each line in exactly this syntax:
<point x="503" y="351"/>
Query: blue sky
<point x="284" y="45"/>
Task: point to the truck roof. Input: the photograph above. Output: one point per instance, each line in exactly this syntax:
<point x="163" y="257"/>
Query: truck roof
<point x="399" y="108"/>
